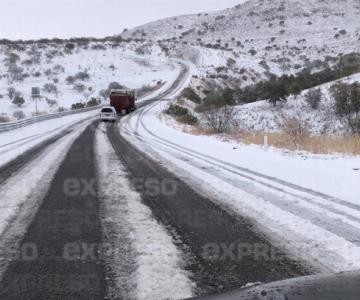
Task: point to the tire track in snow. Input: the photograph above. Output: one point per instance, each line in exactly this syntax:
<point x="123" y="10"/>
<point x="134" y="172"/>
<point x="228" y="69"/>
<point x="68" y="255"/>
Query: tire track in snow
<point x="144" y="260"/>
<point x="22" y="193"/>
<point x="342" y="218"/>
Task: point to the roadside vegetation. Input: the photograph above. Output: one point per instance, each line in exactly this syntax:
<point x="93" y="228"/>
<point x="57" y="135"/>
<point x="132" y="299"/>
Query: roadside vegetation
<point x="217" y="113"/>
<point x="181" y="114"/>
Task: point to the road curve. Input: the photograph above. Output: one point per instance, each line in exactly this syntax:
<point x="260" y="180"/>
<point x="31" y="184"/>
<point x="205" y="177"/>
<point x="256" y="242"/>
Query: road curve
<point x="58" y="255"/>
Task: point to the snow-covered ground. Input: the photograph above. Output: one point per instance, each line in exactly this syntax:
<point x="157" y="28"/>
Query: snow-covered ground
<point x="15" y="142"/>
<point x="153" y="263"/>
<point x="261" y="36"/>
<point x="36" y="66"/>
<point x="263" y="116"/>
<point x="310" y="204"/>
<point x="26" y="188"/>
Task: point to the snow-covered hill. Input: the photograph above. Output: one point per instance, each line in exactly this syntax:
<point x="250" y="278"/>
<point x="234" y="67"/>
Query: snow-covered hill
<point x="235" y="47"/>
<point x="73" y="72"/>
<point x="278" y="36"/>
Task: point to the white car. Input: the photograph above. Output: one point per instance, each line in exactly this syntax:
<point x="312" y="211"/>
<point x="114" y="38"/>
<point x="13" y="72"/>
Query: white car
<point x="108" y="114"/>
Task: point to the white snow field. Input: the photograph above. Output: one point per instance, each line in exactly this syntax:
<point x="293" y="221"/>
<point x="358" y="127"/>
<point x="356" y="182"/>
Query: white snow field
<point x="16" y="142"/>
<point x="279" y="36"/>
<point x="156" y="272"/>
<point x="311" y="204"/>
<point x="49" y="66"/>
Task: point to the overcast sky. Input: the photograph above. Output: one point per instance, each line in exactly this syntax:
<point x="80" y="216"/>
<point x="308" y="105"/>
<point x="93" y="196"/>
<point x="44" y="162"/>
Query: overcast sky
<point x="32" y="19"/>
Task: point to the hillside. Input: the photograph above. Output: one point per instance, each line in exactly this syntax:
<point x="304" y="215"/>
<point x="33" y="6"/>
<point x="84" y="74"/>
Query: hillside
<point x="71" y="72"/>
<point x="233" y="48"/>
<point x="262" y="36"/>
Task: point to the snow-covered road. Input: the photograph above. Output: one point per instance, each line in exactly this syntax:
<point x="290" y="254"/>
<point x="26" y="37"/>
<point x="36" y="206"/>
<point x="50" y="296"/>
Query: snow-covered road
<point x="310" y="204"/>
<point x="16" y="142"/>
<point x="149" y="265"/>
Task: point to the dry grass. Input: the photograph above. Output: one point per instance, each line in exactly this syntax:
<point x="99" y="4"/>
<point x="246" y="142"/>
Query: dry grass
<point x="321" y="144"/>
<point x="39" y="113"/>
<point x="4" y="119"/>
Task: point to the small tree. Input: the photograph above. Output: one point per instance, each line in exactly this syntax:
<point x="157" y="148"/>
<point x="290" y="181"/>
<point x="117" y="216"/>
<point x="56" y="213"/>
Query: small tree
<point x="11" y="92"/>
<point x="93" y="102"/>
<point x="190" y="94"/>
<point x="295" y="127"/>
<point x="347" y="104"/>
<point x="313" y="98"/>
<point x="50" y="88"/>
<point x="77" y="105"/>
<point x="19" y="115"/>
<point x="230" y="62"/>
<point x="219" y="119"/>
<point x="276" y="91"/>
<point x="295" y="89"/>
<point x="18" y="100"/>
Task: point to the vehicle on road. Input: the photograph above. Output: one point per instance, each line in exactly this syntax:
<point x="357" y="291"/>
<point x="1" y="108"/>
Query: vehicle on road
<point x="108" y="114"/>
<point x="123" y="100"/>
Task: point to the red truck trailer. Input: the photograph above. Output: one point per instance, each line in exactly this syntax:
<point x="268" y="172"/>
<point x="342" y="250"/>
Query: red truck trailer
<point x="123" y="100"/>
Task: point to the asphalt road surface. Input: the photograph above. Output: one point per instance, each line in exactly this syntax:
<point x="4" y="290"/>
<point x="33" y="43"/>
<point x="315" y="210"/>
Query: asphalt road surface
<point x="59" y="257"/>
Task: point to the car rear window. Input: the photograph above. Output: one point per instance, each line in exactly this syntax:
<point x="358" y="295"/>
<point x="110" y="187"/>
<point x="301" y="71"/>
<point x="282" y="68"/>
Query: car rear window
<point x="107" y="110"/>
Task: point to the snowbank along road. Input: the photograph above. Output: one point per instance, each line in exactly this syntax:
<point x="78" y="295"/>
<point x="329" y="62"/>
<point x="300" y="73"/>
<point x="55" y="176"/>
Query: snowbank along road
<point x="86" y="215"/>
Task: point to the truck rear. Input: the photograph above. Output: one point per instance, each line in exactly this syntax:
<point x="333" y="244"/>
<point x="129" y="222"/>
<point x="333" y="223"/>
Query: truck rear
<point x="123" y="100"/>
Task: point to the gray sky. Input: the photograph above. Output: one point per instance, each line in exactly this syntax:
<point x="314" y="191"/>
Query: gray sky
<point x="32" y="19"/>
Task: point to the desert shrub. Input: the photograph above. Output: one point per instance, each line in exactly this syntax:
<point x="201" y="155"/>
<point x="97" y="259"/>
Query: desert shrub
<point x="82" y="76"/>
<point x="98" y="47"/>
<point x="313" y="98"/>
<point x="229" y="96"/>
<point x="115" y="85"/>
<point x="19" y="115"/>
<point x="105" y="94"/>
<point x="176" y="110"/>
<point x="190" y="94"/>
<point x="219" y="119"/>
<point x="79" y="87"/>
<point x="12" y="58"/>
<point x="50" y="88"/>
<point x="276" y="91"/>
<point x="70" y="79"/>
<point x="252" y="52"/>
<point x="58" y="69"/>
<point x="18" y="100"/>
<point x="4" y="119"/>
<point x="92" y="102"/>
<point x="347" y="104"/>
<point x="295" y="127"/>
<point x="220" y="69"/>
<point x="230" y="62"/>
<point x="37" y="74"/>
<point x="188" y="119"/>
<point x="213" y="99"/>
<point x="145" y="89"/>
<point x="16" y="73"/>
<point x="61" y="109"/>
<point x="69" y="47"/>
<point x="78" y="105"/>
<point x="343" y="31"/>
<point x="348" y="64"/>
<point x="11" y="91"/>
<point x="51" y="102"/>
<point x="39" y="113"/>
<point x="181" y="114"/>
